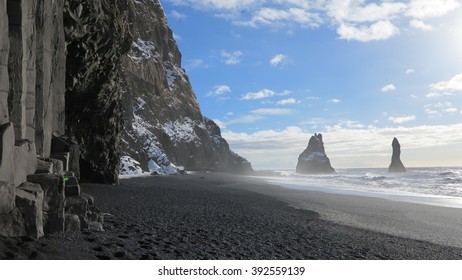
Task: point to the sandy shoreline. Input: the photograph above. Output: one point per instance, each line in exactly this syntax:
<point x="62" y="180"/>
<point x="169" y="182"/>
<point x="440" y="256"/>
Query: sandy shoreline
<point x="217" y="216"/>
<point x="436" y="224"/>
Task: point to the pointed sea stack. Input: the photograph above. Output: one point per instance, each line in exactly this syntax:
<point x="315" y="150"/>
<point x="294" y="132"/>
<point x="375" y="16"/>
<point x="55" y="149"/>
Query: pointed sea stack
<point x="314" y="159"/>
<point x="396" y="164"/>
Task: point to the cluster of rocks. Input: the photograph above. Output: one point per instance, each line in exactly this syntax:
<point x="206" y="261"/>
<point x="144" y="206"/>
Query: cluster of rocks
<point x="314" y="160"/>
<point x="49" y="200"/>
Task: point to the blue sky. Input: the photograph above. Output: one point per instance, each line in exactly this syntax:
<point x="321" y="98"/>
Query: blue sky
<point x="271" y="73"/>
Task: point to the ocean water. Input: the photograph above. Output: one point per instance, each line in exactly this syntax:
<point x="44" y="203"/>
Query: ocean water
<point x="434" y="186"/>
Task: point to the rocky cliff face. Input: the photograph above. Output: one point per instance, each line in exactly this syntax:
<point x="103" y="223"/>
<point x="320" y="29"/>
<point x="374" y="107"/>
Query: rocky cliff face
<point x="164" y="128"/>
<point x="97" y="38"/>
<point x="396" y="164"/>
<point x="37" y="194"/>
<point x="314" y="159"/>
<point x="63" y="97"/>
<point x="32" y="54"/>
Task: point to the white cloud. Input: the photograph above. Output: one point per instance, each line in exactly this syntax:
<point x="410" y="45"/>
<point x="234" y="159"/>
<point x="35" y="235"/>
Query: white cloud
<point x="279" y="17"/>
<point x="264" y="93"/>
<point x="278" y="59"/>
<point x="388" y="88"/>
<point x="410" y="71"/>
<point x="359" y="20"/>
<point x="272" y="111"/>
<point x="402" y="119"/>
<point x="453" y="85"/>
<point x="245" y="119"/>
<point x="438" y="109"/>
<point x="219" y="90"/>
<point x="353" y="11"/>
<point x="422" y="9"/>
<point x="217" y="4"/>
<point x="380" y="30"/>
<point x="334" y="101"/>
<point x="349" y="146"/>
<point x="177" y="15"/>
<point x="432" y="113"/>
<point x="418" y="24"/>
<point x="438" y="94"/>
<point x="231" y="58"/>
<point x="288" y="101"/>
<point x="451" y="110"/>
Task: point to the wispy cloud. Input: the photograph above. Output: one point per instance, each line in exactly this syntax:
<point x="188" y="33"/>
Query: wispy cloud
<point x="334" y="101"/>
<point x="388" y="88"/>
<point x="219" y="90"/>
<point x="196" y="63"/>
<point x="446" y="88"/>
<point x="288" y="101"/>
<point x="244" y="119"/>
<point x="410" y="71"/>
<point x="177" y="15"/>
<point x="272" y="111"/>
<point x="439" y="109"/>
<point x="418" y="24"/>
<point x="422" y="9"/>
<point x="353" y="20"/>
<point x="402" y="119"/>
<point x="264" y="93"/>
<point x="278" y="59"/>
<point x="231" y="58"/>
<point x="380" y="30"/>
<point x="453" y="85"/>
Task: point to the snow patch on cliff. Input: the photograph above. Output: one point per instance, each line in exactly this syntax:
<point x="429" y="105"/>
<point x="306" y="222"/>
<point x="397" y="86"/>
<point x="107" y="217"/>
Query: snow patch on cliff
<point x="183" y="131"/>
<point x="174" y="72"/>
<point x="130" y="167"/>
<point x="158" y="162"/>
<point x="143" y="50"/>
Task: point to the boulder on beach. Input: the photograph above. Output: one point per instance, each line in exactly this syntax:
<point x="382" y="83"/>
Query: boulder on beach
<point x="396" y="164"/>
<point x="314" y="159"/>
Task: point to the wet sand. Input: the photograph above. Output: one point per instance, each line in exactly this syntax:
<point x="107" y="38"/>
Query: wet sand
<point x="217" y="216"/>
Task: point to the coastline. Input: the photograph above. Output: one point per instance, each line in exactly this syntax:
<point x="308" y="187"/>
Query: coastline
<point x="396" y="215"/>
<point x="220" y="216"/>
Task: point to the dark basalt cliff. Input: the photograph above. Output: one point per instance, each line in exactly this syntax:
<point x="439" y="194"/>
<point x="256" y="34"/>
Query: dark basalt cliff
<point x="66" y="85"/>
<point x="164" y="127"/>
<point x="396" y="164"/>
<point x="97" y="38"/>
<point x="314" y="160"/>
<point x="54" y="102"/>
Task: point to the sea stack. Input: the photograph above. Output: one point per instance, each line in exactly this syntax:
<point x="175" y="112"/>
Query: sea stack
<point x="314" y="159"/>
<point x="396" y="164"/>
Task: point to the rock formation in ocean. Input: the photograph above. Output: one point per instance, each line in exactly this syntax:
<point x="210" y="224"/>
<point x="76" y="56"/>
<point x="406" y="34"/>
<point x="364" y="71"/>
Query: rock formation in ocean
<point x="396" y="164"/>
<point x="165" y="131"/>
<point x="314" y="160"/>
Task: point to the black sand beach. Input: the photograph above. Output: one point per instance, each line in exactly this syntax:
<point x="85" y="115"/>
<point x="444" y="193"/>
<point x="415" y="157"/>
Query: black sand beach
<point x="214" y="216"/>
